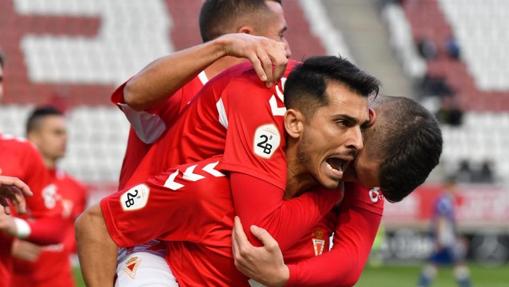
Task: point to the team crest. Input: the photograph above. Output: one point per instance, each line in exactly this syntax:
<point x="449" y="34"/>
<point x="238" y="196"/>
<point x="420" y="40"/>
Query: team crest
<point x="131" y="266"/>
<point x="318" y="241"/>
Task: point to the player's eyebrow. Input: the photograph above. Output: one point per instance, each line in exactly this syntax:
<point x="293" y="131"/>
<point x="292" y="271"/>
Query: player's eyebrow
<point x="349" y="120"/>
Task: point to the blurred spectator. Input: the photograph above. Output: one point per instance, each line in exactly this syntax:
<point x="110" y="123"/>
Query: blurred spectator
<point x="450" y="113"/>
<point x="485" y="173"/>
<point x="449" y="249"/>
<point x="435" y="86"/>
<point x="452" y="47"/>
<point x="427" y="48"/>
<point x="38" y="266"/>
<point x="464" y="173"/>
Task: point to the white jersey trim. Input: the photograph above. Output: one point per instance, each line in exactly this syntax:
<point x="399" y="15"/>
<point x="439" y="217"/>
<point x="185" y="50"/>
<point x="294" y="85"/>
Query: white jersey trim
<point x="223" y="119"/>
<point x="203" y="77"/>
<point x="148" y="127"/>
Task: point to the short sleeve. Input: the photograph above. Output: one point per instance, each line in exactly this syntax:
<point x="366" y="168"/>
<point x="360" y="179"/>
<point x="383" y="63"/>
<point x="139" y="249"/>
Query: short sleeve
<point x="255" y="141"/>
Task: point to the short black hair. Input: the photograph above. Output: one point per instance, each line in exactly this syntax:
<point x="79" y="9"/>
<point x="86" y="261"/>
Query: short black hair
<point x="218" y="16"/>
<point x="409" y="142"/>
<point x="306" y="84"/>
<point x="2" y="61"/>
<point x="39" y="113"/>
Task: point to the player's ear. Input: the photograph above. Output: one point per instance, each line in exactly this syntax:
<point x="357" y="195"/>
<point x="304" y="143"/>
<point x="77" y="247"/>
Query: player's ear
<point x="372" y="117"/>
<point x="294" y="123"/>
<point x="246" y="30"/>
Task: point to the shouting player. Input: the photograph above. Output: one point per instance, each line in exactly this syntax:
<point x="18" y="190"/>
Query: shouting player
<point x="50" y="265"/>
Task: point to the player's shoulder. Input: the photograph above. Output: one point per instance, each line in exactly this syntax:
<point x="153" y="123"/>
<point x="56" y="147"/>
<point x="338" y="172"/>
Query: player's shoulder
<point x="367" y="198"/>
<point x="17" y="144"/>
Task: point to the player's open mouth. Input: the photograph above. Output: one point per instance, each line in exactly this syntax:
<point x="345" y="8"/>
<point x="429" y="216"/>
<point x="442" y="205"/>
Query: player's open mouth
<point x="337" y="166"/>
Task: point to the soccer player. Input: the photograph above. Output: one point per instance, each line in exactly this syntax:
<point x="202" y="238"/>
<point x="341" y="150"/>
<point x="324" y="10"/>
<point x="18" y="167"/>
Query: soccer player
<point x="269" y="98"/>
<point x="197" y="195"/>
<point x="12" y="189"/>
<point x="231" y="32"/>
<point x="448" y="248"/>
<point x="153" y="99"/>
<point x="378" y="164"/>
<point x="50" y="265"/>
<point x="41" y="223"/>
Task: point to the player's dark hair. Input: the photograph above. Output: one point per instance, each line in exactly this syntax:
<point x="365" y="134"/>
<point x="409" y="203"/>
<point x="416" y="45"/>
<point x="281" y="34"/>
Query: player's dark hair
<point x="1" y="60"/>
<point x="34" y="119"/>
<point x="218" y="16"/>
<point x="306" y="84"/>
<point x="410" y="144"/>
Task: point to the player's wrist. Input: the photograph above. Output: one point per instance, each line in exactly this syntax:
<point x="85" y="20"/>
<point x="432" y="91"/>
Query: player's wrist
<point x="220" y="46"/>
<point x="282" y="276"/>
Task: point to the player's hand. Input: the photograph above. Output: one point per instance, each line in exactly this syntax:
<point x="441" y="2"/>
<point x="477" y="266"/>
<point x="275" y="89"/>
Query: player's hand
<point x="269" y="57"/>
<point x="13" y="190"/>
<point x="25" y="250"/>
<point x="264" y="264"/>
<point x="7" y="224"/>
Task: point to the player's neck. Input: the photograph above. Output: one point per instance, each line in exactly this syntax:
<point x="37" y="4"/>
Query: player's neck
<point x="298" y="178"/>
<point x="50" y="163"/>
<point x="220" y="65"/>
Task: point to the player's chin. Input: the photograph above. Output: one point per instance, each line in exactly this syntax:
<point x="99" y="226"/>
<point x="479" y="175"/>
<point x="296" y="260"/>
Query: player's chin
<point x="329" y="177"/>
<point x="329" y="182"/>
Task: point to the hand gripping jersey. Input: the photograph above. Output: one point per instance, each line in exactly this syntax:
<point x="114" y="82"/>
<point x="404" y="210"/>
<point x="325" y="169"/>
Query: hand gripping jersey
<point x="191" y="207"/>
<point x="53" y="267"/>
<point x="20" y="159"/>
<point x="147" y="126"/>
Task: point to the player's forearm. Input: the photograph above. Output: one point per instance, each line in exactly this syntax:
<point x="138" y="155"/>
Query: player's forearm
<point x="48" y="230"/>
<point x="166" y="75"/>
<point x="96" y="251"/>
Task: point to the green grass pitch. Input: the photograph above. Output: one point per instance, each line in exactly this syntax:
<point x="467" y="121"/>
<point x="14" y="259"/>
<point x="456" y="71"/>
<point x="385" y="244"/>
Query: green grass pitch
<point x="406" y="276"/>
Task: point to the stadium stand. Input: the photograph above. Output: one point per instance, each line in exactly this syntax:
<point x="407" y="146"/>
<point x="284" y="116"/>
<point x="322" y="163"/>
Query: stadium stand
<point x="76" y="52"/>
<point x="476" y="79"/>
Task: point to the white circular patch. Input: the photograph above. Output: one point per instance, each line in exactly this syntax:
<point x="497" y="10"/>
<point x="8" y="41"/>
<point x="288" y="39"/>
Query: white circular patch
<point x="266" y="140"/>
<point x="135" y="198"/>
<point x="374" y="194"/>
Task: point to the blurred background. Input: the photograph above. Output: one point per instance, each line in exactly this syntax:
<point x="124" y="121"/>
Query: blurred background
<point x="450" y="55"/>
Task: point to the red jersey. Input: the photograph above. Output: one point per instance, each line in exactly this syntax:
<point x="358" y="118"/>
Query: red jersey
<point x="249" y="132"/>
<point x="360" y="214"/>
<point x="21" y="159"/>
<point x="228" y="115"/>
<point x="53" y="267"/>
<point x="147" y="126"/>
<point x="191" y="207"/>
